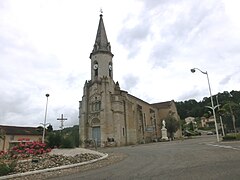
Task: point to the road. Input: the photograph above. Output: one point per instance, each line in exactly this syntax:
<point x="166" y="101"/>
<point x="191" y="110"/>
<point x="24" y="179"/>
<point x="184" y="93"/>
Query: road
<point x="198" y="158"/>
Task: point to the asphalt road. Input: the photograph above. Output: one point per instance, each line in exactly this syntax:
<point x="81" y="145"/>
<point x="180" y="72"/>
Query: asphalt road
<point x="198" y="158"/>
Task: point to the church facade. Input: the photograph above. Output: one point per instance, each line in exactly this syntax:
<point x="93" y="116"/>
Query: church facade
<point x="111" y="116"/>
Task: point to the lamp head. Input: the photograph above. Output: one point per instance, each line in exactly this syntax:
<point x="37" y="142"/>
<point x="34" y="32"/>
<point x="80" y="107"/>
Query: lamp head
<point x="47" y="95"/>
<point x="193" y="70"/>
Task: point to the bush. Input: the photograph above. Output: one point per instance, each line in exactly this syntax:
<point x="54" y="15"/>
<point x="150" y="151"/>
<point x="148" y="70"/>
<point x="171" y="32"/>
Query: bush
<point x="54" y="139"/>
<point x="67" y="142"/>
<point x="26" y="148"/>
<point x="6" y="168"/>
<point x="23" y="149"/>
<point x="238" y="137"/>
<point x="229" y="137"/>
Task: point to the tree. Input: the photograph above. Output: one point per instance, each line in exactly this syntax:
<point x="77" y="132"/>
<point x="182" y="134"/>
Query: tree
<point x="54" y="139"/>
<point x="49" y="128"/>
<point x="229" y="110"/>
<point x="67" y="138"/>
<point x="172" y="125"/>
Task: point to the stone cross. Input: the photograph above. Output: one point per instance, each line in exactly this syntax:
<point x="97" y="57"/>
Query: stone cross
<point x="62" y="120"/>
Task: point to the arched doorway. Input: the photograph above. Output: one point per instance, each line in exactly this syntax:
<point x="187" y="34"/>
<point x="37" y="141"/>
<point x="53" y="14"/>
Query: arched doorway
<point x="96" y="131"/>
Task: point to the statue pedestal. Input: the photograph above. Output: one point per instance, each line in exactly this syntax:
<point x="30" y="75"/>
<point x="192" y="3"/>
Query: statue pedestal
<point x="164" y="134"/>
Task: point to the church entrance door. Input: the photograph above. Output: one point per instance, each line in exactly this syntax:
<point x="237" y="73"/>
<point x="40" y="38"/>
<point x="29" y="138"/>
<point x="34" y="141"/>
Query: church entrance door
<point x="96" y="135"/>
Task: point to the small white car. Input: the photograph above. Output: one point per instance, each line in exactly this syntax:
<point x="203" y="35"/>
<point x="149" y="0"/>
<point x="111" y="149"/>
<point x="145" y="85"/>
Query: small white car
<point x="209" y="133"/>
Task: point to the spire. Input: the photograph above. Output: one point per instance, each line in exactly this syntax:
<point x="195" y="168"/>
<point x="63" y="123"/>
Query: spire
<point x="101" y="42"/>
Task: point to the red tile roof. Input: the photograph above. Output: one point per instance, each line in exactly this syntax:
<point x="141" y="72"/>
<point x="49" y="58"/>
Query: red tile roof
<point x="17" y="130"/>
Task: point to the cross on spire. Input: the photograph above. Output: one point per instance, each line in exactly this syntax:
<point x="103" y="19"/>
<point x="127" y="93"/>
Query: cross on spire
<point x="62" y="120"/>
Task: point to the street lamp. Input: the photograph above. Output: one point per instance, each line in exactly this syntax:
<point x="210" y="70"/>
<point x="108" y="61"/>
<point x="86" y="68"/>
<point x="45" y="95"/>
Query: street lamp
<point x="232" y="114"/>
<point x="220" y="117"/>
<point x="213" y="108"/>
<point x="44" y="123"/>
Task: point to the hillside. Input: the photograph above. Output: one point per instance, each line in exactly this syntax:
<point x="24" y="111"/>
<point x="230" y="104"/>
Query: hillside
<point x="192" y="108"/>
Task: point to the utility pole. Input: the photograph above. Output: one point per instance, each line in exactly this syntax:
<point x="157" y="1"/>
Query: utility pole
<point x="45" y="119"/>
<point x="220" y="117"/>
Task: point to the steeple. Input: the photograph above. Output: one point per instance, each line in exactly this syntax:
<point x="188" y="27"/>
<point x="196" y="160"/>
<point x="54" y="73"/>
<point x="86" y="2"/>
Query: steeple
<point x="101" y="56"/>
<point x="101" y="43"/>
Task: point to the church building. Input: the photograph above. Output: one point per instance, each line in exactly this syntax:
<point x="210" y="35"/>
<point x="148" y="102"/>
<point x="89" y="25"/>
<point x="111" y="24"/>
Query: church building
<point x="109" y="115"/>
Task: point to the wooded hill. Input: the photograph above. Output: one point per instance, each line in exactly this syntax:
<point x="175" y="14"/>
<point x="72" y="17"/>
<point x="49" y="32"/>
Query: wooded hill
<point x="227" y="101"/>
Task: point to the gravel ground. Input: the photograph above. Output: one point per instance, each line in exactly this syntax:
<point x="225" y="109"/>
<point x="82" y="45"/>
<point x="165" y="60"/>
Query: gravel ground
<point x="69" y="159"/>
<point x="50" y="161"/>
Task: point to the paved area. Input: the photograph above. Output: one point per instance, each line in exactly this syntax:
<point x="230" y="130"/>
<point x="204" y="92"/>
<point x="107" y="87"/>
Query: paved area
<point x="191" y="159"/>
<point x="197" y="158"/>
<point x="73" y="152"/>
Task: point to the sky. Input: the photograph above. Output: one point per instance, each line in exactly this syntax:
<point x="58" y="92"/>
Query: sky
<point x="45" y="47"/>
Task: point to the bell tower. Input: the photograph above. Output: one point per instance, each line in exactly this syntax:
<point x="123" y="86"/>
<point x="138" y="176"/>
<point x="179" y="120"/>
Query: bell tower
<point x="96" y="115"/>
<point x="101" y="55"/>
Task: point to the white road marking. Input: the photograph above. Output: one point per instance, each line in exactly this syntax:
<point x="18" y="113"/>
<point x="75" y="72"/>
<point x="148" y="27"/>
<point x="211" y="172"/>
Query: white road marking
<point x="222" y="146"/>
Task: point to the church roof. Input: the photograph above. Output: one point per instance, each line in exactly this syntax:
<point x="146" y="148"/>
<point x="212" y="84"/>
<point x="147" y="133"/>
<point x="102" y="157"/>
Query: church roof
<point x="101" y="42"/>
<point x="163" y="105"/>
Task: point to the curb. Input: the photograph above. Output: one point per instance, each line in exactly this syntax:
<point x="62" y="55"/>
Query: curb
<point x="54" y="168"/>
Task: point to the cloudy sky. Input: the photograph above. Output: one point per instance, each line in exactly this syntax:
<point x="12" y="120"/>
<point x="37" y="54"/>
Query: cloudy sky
<point x="45" y="47"/>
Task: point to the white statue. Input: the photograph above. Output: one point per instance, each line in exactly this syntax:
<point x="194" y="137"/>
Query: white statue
<point x="164" y="131"/>
<point x="164" y="124"/>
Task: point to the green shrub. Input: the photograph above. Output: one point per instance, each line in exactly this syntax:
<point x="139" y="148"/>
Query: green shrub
<point x="229" y="137"/>
<point x="6" y="168"/>
<point x="238" y="137"/>
<point x="67" y="142"/>
<point x="54" y="139"/>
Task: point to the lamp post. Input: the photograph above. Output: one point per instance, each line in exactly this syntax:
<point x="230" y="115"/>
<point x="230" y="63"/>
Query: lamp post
<point x="214" y="115"/>
<point x="44" y="123"/>
<point x="232" y="114"/>
<point x="220" y="117"/>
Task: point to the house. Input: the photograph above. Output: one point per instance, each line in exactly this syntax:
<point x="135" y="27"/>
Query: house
<point x="12" y="134"/>
<point x="190" y="119"/>
<point x="110" y="115"/>
<point x="207" y="122"/>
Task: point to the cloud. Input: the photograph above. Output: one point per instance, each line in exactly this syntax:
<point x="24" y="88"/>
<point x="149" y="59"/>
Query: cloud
<point x="182" y="28"/>
<point x="193" y="92"/>
<point x="130" y="81"/>
<point x="162" y="54"/>
<point x="132" y="37"/>
<point x="230" y="78"/>
<point x="226" y="79"/>
<point x="155" y="43"/>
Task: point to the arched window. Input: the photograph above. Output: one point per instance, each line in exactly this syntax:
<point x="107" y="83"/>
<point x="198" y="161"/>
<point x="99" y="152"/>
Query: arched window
<point x="96" y="105"/>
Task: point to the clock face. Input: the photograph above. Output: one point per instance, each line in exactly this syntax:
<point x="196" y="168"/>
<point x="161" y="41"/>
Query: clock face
<point x="110" y="67"/>
<point x="95" y="66"/>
